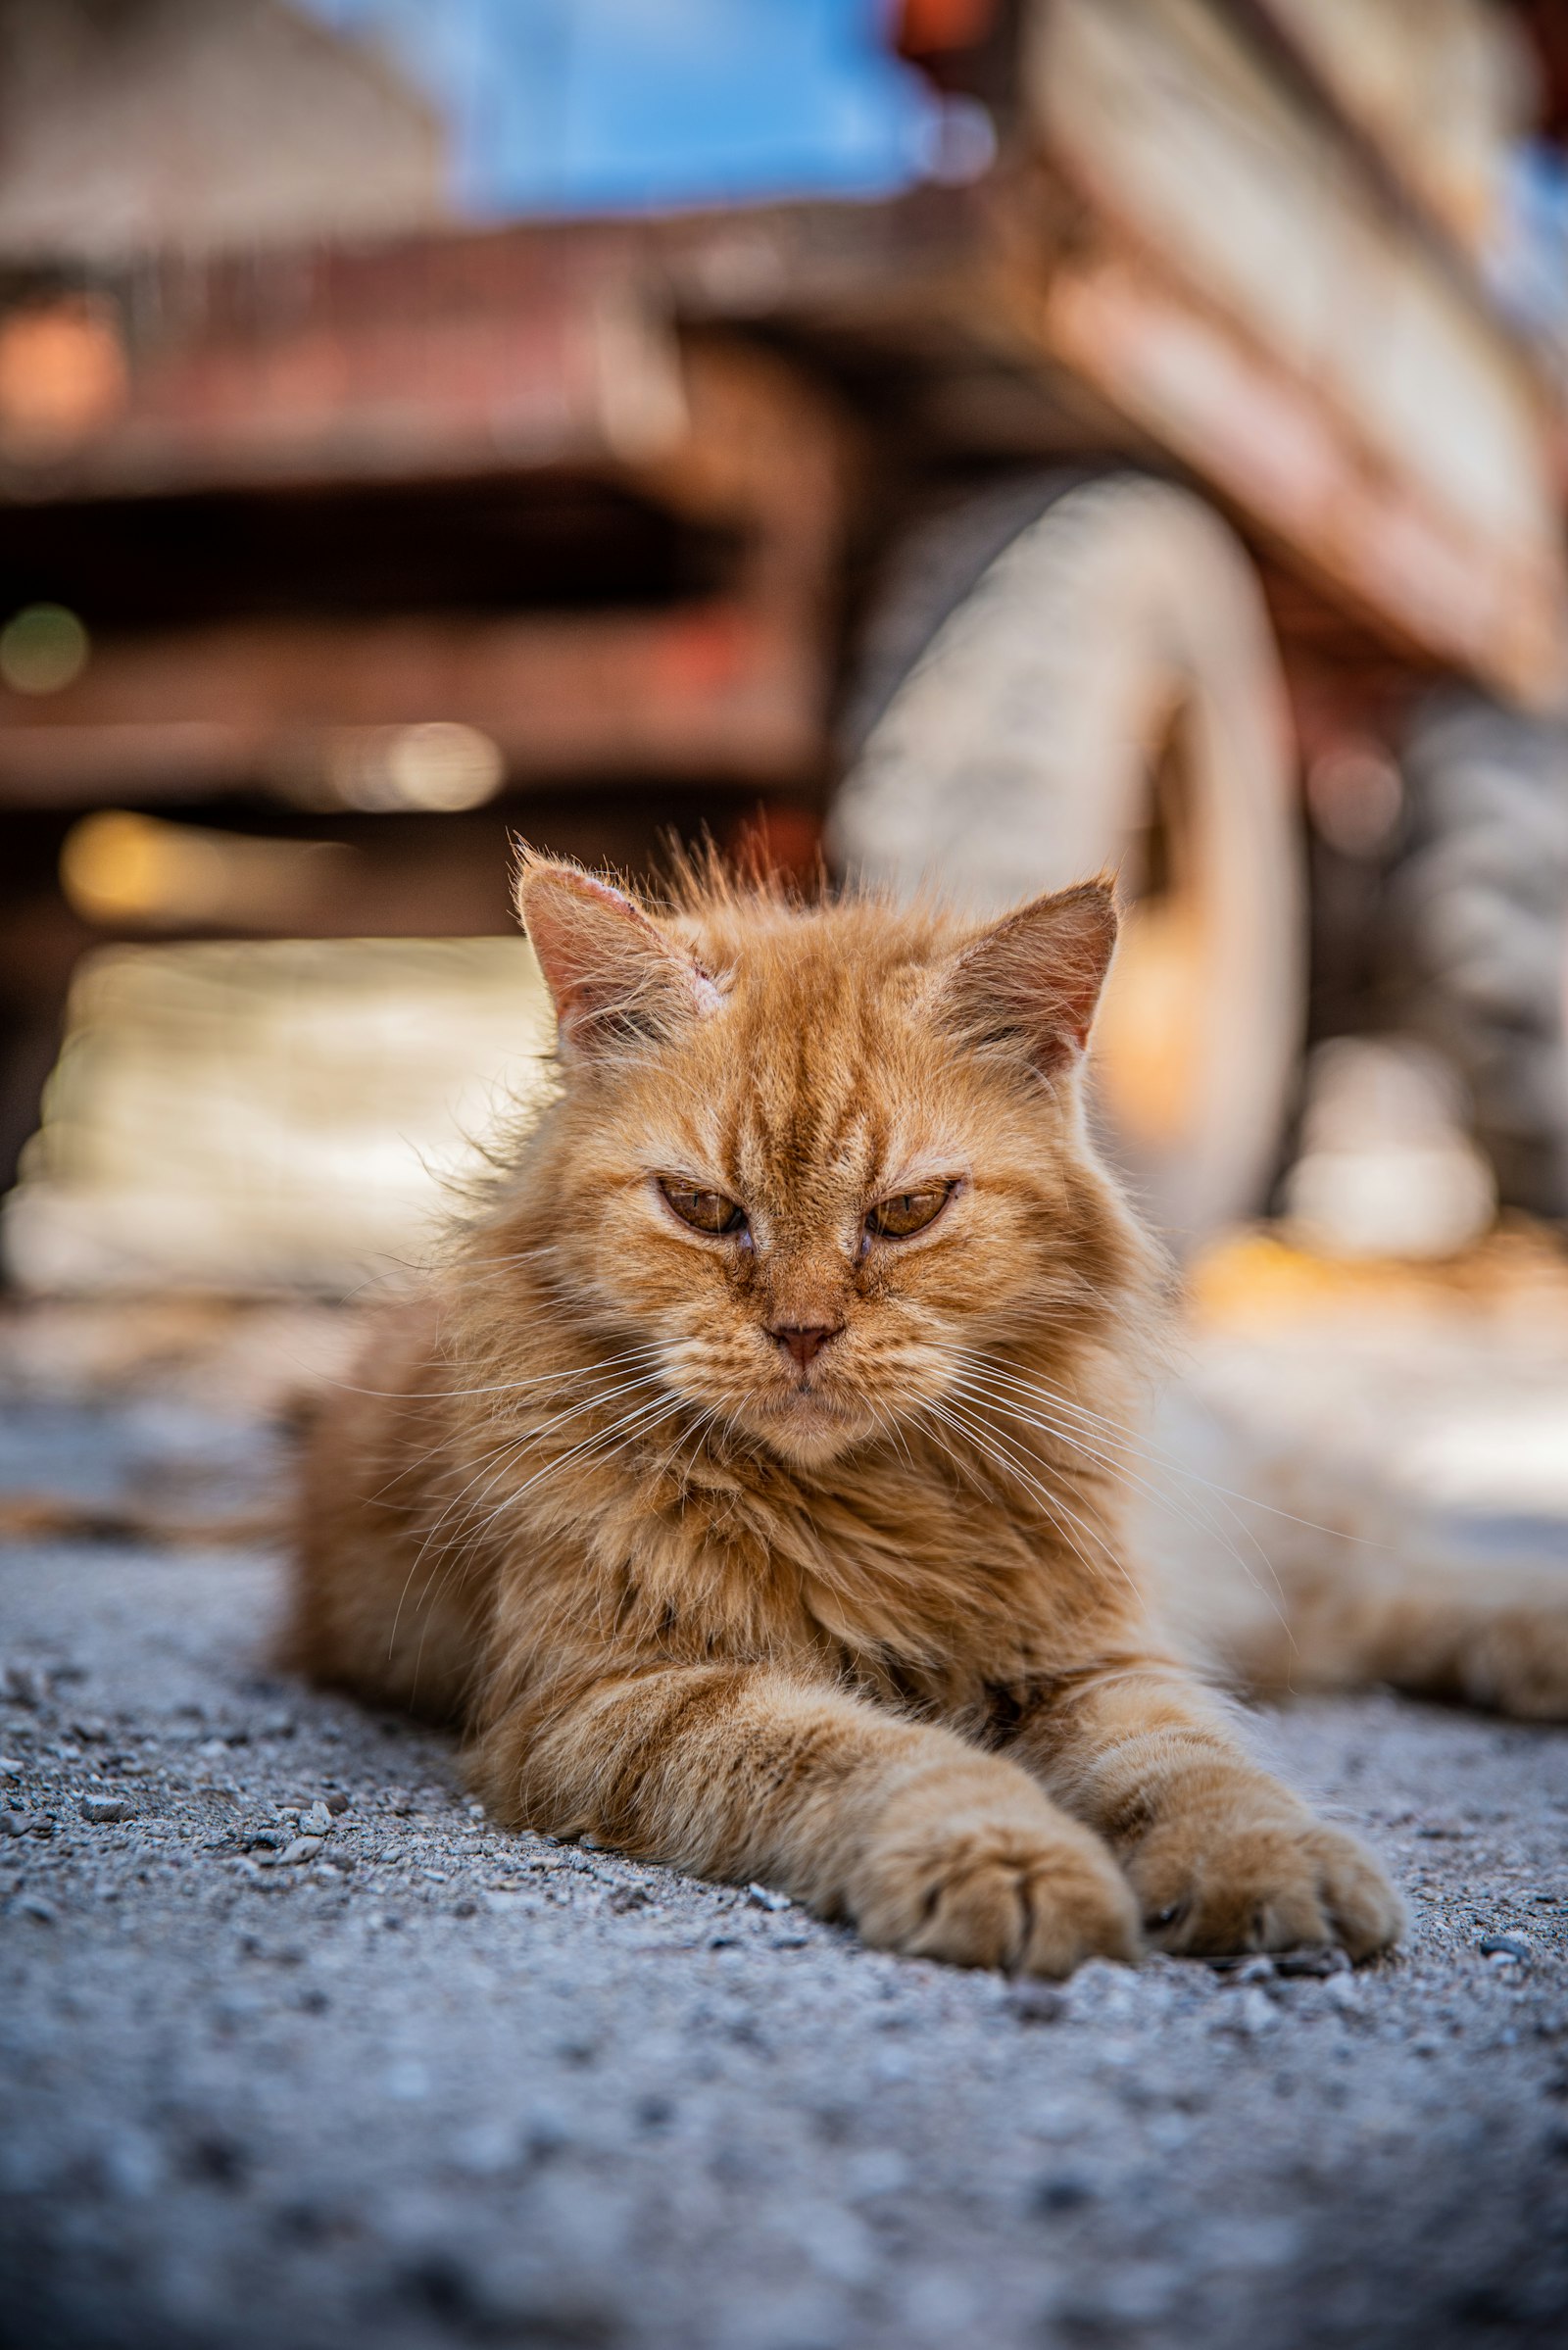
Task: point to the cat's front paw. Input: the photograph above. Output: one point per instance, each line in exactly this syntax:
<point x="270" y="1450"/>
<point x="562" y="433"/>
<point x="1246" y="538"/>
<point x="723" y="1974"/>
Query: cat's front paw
<point x="1231" y="1878"/>
<point x="1015" y="1886"/>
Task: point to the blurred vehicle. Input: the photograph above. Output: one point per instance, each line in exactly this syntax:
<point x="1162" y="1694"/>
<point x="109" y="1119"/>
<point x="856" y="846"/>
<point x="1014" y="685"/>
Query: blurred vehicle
<point x="1164" y="449"/>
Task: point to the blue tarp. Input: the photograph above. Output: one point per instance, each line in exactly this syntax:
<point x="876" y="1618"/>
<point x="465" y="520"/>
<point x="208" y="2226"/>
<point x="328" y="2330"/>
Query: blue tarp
<point x="588" y="105"/>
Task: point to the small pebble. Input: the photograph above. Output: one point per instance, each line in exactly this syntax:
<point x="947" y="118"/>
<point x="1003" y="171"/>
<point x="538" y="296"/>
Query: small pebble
<point x="317" y="1821"/>
<point x="762" y="1896"/>
<point x="545" y="2129"/>
<point x="1503" y="1946"/>
<point x="10" y="1768"/>
<point x="32" y="1905"/>
<point x="1061" y="2192"/>
<point x="1037" y="2003"/>
<point x="338" y="1802"/>
<point x="303" y="1848"/>
<point x="100" y="1810"/>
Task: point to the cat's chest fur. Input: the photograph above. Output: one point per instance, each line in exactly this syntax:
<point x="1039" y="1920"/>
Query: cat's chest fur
<point x="901" y="1575"/>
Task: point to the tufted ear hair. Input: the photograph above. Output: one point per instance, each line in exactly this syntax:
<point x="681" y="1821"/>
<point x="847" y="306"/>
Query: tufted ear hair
<point x="616" y="977"/>
<point x="1032" y="982"/>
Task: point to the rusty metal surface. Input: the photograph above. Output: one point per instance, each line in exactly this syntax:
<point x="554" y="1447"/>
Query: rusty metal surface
<point x="717" y="688"/>
<point x="1371" y="426"/>
<point x="734" y="683"/>
<point x="426" y="357"/>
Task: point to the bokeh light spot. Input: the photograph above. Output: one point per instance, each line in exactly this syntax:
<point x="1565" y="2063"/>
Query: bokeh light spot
<point x="43" y="647"/>
<point x="439" y="765"/>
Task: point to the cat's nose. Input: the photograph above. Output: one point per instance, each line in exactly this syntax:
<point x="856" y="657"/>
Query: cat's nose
<point x="803" y="1340"/>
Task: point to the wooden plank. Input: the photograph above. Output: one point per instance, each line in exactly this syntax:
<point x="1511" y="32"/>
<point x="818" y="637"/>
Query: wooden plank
<point x="1238" y="288"/>
<point x="1445" y="590"/>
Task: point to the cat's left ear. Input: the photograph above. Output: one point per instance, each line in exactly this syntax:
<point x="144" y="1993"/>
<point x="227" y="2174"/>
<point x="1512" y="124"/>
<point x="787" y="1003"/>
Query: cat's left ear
<point x="1033" y="982"/>
<point x="618" y="978"/>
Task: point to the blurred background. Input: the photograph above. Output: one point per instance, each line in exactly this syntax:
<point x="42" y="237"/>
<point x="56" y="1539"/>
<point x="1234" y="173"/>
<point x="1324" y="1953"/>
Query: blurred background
<point x="985" y="438"/>
<point x="986" y="441"/>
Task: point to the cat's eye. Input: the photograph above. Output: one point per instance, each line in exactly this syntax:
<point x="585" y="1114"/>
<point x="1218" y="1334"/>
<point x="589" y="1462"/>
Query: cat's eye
<point x="704" y="1211"/>
<point x="907" y="1212"/>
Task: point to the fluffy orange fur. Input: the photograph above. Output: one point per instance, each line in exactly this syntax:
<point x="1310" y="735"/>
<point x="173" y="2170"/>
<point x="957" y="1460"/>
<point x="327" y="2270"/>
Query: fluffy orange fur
<point x="788" y="1543"/>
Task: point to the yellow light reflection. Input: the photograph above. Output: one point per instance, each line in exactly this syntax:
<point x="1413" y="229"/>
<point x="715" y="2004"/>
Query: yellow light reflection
<point x="131" y="871"/>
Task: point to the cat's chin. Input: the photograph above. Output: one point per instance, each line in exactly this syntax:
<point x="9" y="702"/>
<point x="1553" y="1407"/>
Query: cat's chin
<point x="808" y="1430"/>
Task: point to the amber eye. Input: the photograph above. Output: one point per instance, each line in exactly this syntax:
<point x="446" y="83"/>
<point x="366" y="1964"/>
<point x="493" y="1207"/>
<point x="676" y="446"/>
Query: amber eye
<point x="907" y="1212"/>
<point x="704" y="1211"/>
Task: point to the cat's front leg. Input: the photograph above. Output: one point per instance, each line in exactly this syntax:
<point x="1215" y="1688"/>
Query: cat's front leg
<point x="923" y="1842"/>
<point x="1221" y="1857"/>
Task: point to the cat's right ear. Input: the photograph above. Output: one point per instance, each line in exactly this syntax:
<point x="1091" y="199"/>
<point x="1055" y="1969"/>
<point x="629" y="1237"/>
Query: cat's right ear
<point x="1030" y="983"/>
<point x="616" y="978"/>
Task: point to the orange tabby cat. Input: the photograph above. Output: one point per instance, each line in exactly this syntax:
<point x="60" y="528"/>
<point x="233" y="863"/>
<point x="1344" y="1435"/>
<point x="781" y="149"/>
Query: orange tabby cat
<point x="740" y="1479"/>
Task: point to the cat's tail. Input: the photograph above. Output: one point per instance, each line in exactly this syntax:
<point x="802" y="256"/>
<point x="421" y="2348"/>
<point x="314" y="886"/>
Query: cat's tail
<point x="1277" y="1603"/>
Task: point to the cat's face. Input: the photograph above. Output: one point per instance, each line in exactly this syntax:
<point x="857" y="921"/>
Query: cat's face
<point x="807" y="1158"/>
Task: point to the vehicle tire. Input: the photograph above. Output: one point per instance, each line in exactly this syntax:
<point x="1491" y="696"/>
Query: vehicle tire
<point x="1479" y="916"/>
<point x="1101" y="689"/>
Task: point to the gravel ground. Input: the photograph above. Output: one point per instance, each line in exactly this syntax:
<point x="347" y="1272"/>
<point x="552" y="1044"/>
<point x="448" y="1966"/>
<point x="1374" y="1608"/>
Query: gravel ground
<point x="296" y="2050"/>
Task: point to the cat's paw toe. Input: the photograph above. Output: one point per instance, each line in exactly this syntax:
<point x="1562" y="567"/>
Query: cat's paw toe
<point x="977" y="1891"/>
<point x="1210" y="1888"/>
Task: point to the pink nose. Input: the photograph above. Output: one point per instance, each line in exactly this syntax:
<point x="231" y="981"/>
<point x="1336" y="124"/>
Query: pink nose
<point x="804" y="1340"/>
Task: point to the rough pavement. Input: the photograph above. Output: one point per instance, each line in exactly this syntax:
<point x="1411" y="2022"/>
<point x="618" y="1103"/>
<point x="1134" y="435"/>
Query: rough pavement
<point x="296" y="2050"/>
